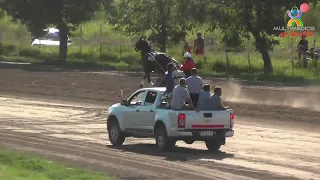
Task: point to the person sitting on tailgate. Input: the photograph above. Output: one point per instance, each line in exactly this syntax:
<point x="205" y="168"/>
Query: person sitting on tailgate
<point x="188" y="64"/>
<point x="204" y="96"/>
<point x="180" y="95"/>
<point x="215" y="102"/>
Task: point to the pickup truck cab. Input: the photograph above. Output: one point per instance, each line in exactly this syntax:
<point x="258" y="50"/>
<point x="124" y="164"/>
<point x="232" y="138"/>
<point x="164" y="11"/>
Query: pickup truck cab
<point x="145" y="115"/>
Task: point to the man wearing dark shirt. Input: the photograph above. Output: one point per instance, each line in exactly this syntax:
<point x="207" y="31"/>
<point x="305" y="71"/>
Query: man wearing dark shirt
<point x="302" y="49"/>
<point x="168" y="80"/>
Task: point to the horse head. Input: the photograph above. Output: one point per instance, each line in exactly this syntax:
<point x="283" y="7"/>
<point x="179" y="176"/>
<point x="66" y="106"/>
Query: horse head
<point x="143" y="46"/>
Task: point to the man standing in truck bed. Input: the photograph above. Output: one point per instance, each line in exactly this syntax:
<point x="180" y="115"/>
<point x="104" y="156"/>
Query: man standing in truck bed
<point x="199" y="45"/>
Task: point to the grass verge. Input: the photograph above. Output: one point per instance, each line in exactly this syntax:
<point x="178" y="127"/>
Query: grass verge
<point x="215" y="65"/>
<point x="18" y="166"/>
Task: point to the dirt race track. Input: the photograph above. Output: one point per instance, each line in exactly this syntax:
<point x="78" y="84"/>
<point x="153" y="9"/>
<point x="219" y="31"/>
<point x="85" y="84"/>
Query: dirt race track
<point x="61" y="115"/>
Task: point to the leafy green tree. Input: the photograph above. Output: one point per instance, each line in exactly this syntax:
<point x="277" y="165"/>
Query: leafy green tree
<point x="245" y="17"/>
<point x="168" y="20"/>
<point x="64" y="14"/>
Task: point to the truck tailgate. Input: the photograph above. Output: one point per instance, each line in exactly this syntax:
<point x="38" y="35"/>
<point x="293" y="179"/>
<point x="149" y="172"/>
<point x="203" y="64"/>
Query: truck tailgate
<point x="208" y="120"/>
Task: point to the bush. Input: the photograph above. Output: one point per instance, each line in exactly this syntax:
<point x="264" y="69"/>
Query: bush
<point x="109" y="58"/>
<point x="131" y="58"/>
<point x="30" y="53"/>
<point x="8" y="50"/>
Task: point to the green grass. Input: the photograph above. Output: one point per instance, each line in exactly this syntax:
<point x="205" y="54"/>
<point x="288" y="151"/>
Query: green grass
<point x="117" y="53"/>
<point x="18" y="166"/>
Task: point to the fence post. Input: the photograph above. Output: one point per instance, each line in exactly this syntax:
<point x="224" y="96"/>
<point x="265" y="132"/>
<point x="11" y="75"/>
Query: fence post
<point x="121" y="39"/>
<point x="204" y="57"/>
<point x="248" y="50"/>
<point x="314" y="46"/>
<point x="81" y="39"/>
<point x="292" y="54"/>
<point x="315" y="41"/>
<point x="100" y="42"/>
<point x="314" y="55"/>
<point x="227" y="60"/>
<point x="1" y="34"/>
<point x="20" y="42"/>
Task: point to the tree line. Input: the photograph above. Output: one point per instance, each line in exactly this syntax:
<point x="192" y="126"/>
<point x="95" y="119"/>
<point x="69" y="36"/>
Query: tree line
<point x="168" y="21"/>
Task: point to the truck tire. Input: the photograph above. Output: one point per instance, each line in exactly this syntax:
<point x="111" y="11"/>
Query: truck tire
<point x="163" y="142"/>
<point x="212" y="145"/>
<point x="116" y="136"/>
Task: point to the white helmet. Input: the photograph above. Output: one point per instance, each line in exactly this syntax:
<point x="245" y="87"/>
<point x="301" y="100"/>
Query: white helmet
<point x="187" y="55"/>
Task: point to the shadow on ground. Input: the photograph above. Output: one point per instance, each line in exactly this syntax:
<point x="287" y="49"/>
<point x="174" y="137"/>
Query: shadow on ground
<point x="185" y="154"/>
<point x="177" y="154"/>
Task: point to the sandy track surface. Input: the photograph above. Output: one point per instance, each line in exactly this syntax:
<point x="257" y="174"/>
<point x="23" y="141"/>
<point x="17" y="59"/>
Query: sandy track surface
<point x="77" y="134"/>
<point x="104" y="88"/>
<point x="277" y="131"/>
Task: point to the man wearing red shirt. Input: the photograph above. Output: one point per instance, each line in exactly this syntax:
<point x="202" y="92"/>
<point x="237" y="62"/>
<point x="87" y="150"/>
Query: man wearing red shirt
<point x="188" y="64"/>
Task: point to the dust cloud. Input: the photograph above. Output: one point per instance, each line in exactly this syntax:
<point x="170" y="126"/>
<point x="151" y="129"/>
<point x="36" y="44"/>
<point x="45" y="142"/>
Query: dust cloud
<point x="233" y="92"/>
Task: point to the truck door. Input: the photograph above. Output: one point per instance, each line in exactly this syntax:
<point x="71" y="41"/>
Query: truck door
<point x="147" y="113"/>
<point x="132" y="112"/>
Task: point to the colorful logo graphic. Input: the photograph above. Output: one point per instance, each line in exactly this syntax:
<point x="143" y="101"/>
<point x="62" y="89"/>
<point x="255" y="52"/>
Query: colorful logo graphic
<point x="304" y="7"/>
<point x="295" y="15"/>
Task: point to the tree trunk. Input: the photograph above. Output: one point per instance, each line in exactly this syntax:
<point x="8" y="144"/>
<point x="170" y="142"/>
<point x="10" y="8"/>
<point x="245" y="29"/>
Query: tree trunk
<point x="163" y="35"/>
<point x="315" y="2"/>
<point x="163" y="47"/>
<point x="163" y="40"/>
<point x="261" y="45"/>
<point x="63" y="47"/>
<point x="267" y="67"/>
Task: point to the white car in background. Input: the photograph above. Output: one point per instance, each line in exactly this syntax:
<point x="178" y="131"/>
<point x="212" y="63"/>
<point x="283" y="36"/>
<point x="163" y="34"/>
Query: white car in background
<point x="50" y="38"/>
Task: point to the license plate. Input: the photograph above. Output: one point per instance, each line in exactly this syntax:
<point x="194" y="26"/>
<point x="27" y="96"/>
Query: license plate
<point x="206" y="133"/>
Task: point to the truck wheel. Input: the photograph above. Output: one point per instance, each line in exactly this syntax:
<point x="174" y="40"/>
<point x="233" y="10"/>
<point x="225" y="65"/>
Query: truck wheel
<point x="213" y="146"/>
<point x="116" y="137"/>
<point x="162" y="140"/>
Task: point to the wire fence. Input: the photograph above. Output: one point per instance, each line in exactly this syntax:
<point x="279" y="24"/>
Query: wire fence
<point x="99" y="43"/>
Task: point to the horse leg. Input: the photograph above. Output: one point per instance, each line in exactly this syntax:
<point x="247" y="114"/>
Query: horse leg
<point x="159" y="80"/>
<point x="142" y="81"/>
<point x="149" y="78"/>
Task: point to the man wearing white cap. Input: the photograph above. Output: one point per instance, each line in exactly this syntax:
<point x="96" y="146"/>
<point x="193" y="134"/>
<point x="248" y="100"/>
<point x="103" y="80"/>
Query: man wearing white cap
<point x="188" y="64"/>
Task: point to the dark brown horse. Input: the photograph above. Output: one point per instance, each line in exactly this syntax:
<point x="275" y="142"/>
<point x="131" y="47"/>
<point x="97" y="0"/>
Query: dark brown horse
<point x="153" y="61"/>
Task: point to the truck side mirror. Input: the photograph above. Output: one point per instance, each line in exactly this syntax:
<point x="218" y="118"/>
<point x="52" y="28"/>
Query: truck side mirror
<point x="124" y="102"/>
